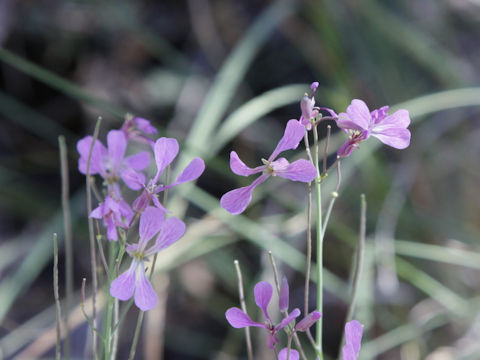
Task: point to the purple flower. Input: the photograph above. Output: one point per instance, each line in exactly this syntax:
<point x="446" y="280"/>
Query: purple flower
<point x="136" y="128"/>
<point x="134" y="281"/>
<point x="111" y="163"/>
<point x="165" y="149"/>
<point x="114" y="214"/>
<point x="283" y="354"/>
<point x="353" y="339"/>
<point x="236" y="201"/>
<point x="263" y="294"/>
<point x="359" y="123"/>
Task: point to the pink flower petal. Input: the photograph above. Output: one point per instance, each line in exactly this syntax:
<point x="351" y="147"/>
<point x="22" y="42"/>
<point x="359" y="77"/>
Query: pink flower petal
<point x="123" y="286"/>
<point x="283" y="354"/>
<point x="238" y="166"/>
<point x="166" y="149"/>
<point x="292" y="316"/>
<point x="172" y="230"/>
<point x="292" y="136"/>
<point x="133" y="179"/>
<point x="191" y="172"/>
<point x="308" y="321"/>
<point x="117" y="144"/>
<point x="236" y="201"/>
<point x="300" y="170"/>
<point x="394" y="137"/>
<point x="151" y="222"/>
<point x="145" y="297"/>
<point x="238" y="319"/>
<point x="359" y="114"/>
<point x="353" y="340"/>
<point x="138" y="161"/>
<point x="144" y="125"/>
<point x="263" y="294"/>
<point x="99" y="153"/>
<point x="399" y="119"/>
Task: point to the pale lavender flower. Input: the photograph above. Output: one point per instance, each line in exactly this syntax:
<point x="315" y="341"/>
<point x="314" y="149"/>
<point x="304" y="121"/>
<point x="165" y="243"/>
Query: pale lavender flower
<point x="236" y="201"/>
<point x="353" y="339"/>
<point x="111" y="163"/>
<point x="137" y="128"/>
<point x="165" y="150"/>
<point x="283" y="354"/>
<point x="134" y="281"/>
<point x="359" y="123"/>
<point x="115" y="213"/>
<point x="263" y="294"/>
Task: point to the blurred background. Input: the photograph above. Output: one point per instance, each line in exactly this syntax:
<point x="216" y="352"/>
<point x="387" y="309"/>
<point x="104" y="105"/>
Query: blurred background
<point x="224" y="75"/>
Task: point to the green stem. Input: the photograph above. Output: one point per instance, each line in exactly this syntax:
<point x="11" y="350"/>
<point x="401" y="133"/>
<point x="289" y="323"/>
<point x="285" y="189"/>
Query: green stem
<point x="110" y="300"/>
<point x="318" y="197"/>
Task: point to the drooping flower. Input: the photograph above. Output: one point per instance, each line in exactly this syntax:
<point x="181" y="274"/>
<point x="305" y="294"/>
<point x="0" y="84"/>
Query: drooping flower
<point x="283" y="354"/>
<point x="136" y="129"/>
<point x="236" y="201"/>
<point x="111" y="163"/>
<point x="359" y="123"/>
<point x="263" y="294"/>
<point x="134" y="281"/>
<point x="353" y="340"/>
<point x="165" y="150"/>
<point x="115" y="213"/>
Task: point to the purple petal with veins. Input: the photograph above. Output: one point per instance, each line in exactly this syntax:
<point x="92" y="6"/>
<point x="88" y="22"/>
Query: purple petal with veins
<point x="284" y="295"/>
<point x="99" y="153"/>
<point x="238" y="166"/>
<point x="166" y="149"/>
<point x="353" y="340"/>
<point x="172" y="230"/>
<point x="292" y="316"/>
<point x="191" y="172"/>
<point x="151" y="222"/>
<point x="123" y="286"/>
<point x="300" y="170"/>
<point x="238" y="319"/>
<point x="145" y="297"/>
<point x="308" y="321"/>
<point x="138" y="161"/>
<point x="144" y="125"/>
<point x="117" y="144"/>
<point x="394" y="137"/>
<point x="292" y="136"/>
<point x="263" y="294"/>
<point x="359" y="114"/>
<point x="379" y="114"/>
<point x="283" y="354"/>
<point x="236" y="201"/>
<point x="134" y="180"/>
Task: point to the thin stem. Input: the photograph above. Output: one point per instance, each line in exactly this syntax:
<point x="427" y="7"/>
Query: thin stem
<point x="93" y="256"/>
<point x="289" y="346"/>
<point x="359" y="264"/>
<point x="57" y="297"/>
<point x="67" y="223"/>
<point x="324" y="118"/>
<point x="110" y="300"/>
<point x="285" y="312"/>
<point x="116" y="309"/>
<point x="318" y="198"/>
<point x="244" y="308"/>
<point x="325" y="150"/>
<point x="309" y="249"/>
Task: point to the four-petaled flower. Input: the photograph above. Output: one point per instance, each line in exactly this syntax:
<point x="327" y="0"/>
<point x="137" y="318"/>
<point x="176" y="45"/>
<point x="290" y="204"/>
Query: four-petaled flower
<point x="111" y="163"/>
<point x="353" y="339"/>
<point x="134" y="280"/>
<point x="359" y="123"/>
<point x="236" y="201"/>
<point x="263" y="294"/>
<point x="165" y="149"/>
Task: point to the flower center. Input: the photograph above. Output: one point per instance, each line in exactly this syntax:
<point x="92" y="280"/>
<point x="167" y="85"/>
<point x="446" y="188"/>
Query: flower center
<point x="268" y="167"/>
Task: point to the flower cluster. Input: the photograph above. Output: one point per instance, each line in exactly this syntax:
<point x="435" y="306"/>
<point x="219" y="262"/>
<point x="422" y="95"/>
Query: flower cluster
<point x="263" y="292"/>
<point x="156" y="231"/>
<point x="358" y="123"/>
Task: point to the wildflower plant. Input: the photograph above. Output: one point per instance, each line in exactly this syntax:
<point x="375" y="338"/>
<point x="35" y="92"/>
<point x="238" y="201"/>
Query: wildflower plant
<point x="124" y="177"/>
<point x="359" y="124"/>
